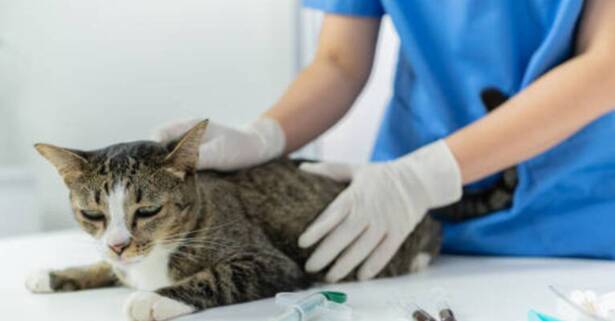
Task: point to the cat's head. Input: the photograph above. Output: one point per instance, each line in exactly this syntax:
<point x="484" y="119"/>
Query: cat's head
<point x="132" y="197"/>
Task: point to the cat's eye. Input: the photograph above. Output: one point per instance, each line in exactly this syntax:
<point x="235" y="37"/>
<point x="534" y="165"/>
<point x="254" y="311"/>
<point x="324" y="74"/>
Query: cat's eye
<point x="148" y="211"/>
<point x="93" y="215"/>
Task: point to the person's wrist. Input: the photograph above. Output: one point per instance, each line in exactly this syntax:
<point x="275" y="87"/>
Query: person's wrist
<point x="270" y="135"/>
<point x="437" y="170"/>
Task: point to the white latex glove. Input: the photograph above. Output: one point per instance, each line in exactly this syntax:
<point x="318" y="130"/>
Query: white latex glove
<point x="370" y="220"/>
<point x="227" y="149"/>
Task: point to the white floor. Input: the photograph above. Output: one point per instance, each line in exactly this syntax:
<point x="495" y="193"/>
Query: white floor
<point x="502" y="289"/>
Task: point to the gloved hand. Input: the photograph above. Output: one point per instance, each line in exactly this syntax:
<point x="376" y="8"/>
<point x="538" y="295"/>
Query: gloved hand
<point x="226" y="149"/>
<point x="370" y="220"/>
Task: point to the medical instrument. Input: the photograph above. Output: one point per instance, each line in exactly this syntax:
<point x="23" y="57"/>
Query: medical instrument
<point x="303" y="308"/>
<point x="585" y="305"/>
<point x="537" y="316"/>
<point x="412" y="311"/>
<point x="442" y="300"/>
<point x="420" y="314"/>
<point x="446" y="314"/>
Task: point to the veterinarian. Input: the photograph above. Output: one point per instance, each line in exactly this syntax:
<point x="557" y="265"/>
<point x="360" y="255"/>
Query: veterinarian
<point x="555" y="58"/>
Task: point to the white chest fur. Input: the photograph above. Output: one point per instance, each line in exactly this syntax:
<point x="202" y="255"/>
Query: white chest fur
<point x="150" y="273"/>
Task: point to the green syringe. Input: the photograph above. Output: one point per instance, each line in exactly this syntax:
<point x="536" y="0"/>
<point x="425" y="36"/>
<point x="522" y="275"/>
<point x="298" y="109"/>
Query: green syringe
<point x="316" y="304"/>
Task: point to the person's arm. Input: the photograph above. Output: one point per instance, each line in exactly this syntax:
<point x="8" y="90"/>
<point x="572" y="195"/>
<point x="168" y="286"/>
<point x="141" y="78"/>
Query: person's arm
<point x="315" y="101"/>
<point x="551" y="109"/>
<point x="353" y="231"/>
<point x="327" y="88"/>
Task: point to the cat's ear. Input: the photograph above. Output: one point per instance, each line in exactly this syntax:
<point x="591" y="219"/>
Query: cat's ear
<point x="183" y="158"/>
<point x="69" y="163"/>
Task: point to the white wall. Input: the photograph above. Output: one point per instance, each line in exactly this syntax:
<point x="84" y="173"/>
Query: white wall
<point x="86" y="74"/>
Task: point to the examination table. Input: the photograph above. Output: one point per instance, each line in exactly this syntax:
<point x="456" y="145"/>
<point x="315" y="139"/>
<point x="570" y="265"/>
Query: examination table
<point x="480" y="288"/>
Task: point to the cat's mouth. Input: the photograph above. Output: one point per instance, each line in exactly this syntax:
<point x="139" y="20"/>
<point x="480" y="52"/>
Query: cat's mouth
<point x="124" y="261"/>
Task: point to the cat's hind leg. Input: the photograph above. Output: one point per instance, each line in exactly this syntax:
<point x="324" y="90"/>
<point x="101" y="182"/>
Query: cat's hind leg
<point x="72" y="279"/>
<point x="429" y="241"/>
<point x="420" y="262"/>
<point x="417" y="252"/>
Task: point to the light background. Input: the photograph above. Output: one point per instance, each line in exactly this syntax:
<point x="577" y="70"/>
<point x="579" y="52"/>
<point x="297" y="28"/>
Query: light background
<point x="86" y="74"/>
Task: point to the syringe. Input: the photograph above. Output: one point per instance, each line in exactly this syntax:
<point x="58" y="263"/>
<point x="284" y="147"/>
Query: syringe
<point x="313" y="305"/>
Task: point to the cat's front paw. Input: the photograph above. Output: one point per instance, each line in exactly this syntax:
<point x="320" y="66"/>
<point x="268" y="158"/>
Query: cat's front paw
<point x="150" y="306"/>
<point x="39" y="282"/>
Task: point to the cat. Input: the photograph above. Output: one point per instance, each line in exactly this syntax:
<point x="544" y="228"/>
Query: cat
<point x="189" y="240"/>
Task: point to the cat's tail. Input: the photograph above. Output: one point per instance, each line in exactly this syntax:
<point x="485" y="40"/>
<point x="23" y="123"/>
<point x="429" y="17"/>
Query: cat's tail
<point x="499" y="196"/>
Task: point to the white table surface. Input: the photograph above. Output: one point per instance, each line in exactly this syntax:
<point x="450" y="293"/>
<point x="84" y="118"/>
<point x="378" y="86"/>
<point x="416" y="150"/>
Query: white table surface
<point x="502" y="289"/>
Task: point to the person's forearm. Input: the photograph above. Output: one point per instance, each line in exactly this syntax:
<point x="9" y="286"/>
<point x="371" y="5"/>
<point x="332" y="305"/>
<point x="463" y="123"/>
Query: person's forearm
<point x="326" y="89"/>
<point x="550" y="110"/>
<point x="315" y="101"/>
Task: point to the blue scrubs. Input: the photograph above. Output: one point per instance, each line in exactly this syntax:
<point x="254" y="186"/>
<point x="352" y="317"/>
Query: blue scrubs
<point x="450" y="51"/>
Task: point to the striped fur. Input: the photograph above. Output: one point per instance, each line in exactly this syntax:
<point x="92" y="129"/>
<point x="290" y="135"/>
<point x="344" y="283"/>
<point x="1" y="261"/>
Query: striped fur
<point x="217" y="238"/>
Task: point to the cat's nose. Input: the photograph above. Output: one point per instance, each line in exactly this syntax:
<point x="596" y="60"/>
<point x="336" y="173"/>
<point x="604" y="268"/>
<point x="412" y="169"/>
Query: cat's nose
<point x="118" y="248"/>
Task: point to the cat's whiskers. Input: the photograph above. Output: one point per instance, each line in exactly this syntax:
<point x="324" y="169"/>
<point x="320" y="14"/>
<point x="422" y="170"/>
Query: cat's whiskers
<point x="188" y="242"/>
<point x="191" y="240"/>
<point x="199" y="240"/>
<point x="204" y="229"/>
<point x="199" y="244"/>
<point x="185" y="255"/>
<point x="182" y="252"/>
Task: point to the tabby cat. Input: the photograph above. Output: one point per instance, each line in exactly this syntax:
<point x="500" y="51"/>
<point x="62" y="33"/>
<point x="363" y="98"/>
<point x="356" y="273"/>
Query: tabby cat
<point x="189" y="240"/>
